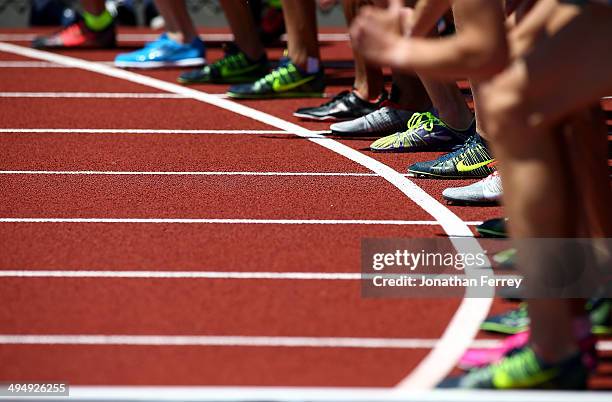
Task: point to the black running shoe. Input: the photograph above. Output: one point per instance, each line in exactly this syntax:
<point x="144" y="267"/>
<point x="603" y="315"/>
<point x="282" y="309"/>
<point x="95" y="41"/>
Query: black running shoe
<point x="344" y="106"/>
<point x="495" y="227"/>
<point x="470" y="161"/>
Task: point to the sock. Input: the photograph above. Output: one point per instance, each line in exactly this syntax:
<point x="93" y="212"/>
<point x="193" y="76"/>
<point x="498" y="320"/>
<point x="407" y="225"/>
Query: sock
<point x="312" y="65"/>
<point x="97" y="22"/>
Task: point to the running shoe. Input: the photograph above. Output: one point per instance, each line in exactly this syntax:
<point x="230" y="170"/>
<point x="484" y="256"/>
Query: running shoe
<point x="164" y="52"/>
<point x="509" y="323"/>
<point x="347" y="105"/>
<point x="523" y="369"/>
<point x="77" y="35"/>
<point x="286" y="81"/>
<point x="601" y="316"/>
<point x="485" y="191"/>
<point x="469" y="161"/>
<point x="480" y="357"/>
<point x="517" y="320"/>
<point x="425" y="132"/>
<point x="506" y="258"/>
<point x="496" y="228"/>
<point x="234" y="67"/>
<point x="388" y="119"/>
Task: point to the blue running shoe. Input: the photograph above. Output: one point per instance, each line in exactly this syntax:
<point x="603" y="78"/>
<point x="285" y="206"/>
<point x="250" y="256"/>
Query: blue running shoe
<point x="164" y="52"/>
<point x="425" y="132"/>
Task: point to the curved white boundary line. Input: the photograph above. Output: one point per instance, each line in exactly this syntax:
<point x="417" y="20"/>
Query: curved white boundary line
<point x="465" y="323"/>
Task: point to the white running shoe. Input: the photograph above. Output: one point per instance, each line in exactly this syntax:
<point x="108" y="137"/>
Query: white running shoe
<point x="486" y="191"/>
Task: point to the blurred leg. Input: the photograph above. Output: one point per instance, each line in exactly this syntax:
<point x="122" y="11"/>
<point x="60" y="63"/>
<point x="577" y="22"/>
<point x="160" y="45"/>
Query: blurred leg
<point x="95" y="7"/>
<point x="245" y="32"/>
<point x="301" y="22"/>
<point x="178" y="22"/>
<point x="369" y="80"/>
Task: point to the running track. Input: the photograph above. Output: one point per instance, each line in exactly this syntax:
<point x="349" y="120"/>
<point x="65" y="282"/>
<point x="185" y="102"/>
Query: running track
<point x="264" y="202"/>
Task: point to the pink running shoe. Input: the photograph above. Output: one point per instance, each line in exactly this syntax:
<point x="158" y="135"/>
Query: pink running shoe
<point x="479" y="357"/>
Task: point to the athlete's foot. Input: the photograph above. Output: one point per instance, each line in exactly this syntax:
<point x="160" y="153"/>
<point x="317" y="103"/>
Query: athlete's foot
<point x="347" y="105"/>
<point x="286" y="81"/>
<point x="78" y="35"/>
<point x="425" y="132"/>
<point x="164" y="52"/>
<point x="523" y="369"/>
<point x="472" y="160"/>
<point x="234" y="67"/>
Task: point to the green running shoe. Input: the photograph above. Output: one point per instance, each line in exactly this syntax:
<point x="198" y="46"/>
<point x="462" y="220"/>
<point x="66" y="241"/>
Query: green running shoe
<point x="506" y="258"/>
<point x="234" y="67"/>
<point x="509" y="323"/>
<point x="517" y="320"/>
<point x="472" y="160"/>
<point x="523" y="369"/>
<point x="425" y="132"/>
<point x="601" y="316"/>
<point x="286" y="81"/>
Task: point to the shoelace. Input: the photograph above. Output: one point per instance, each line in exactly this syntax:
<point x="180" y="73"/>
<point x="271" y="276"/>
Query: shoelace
<point x="277" y="73"/>
<point x="231" y="59"/>
<point x="519" y="313"/>
<point x="459" y="151"/>
<point x="424" y="120"/>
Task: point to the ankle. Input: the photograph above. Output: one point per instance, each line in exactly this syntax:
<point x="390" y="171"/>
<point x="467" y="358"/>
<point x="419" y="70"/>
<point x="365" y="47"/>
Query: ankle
<point x="367" y="96"/>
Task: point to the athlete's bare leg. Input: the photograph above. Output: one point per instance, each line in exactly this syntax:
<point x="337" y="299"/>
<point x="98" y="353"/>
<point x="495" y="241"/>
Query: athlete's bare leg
<point x="523" y="106"/>
<point x="243" y="27"/>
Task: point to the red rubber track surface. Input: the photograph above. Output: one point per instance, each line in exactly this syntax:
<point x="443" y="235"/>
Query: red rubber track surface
<point x="41" y="306"/>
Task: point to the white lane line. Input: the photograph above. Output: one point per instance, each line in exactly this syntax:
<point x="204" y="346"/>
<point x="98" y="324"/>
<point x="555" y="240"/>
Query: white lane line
<point x="116" y="173"/>
<point x="471" y="312"/>
<point x="312" y="394"/>
<point x="228" y="221"/>
<point x="215" y="37"/>
<point x="209" y="340"/>
<point x="28" y="64"/>
<point x="97" y="95"/>
<point x="248" y="341"/>
<point x="306" y="276"/>
<point x="322" y="276"/>
<point x="113" y="95"/>
<point x="141" y="131"/>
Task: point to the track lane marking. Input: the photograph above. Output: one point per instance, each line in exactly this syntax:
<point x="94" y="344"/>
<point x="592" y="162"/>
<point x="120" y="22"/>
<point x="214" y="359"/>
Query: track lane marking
<point x="178" y="173"/>
<point x="98" y="95"/>
<point x="464" y="324"/>
<point x="230" y="221"/>
<point x="212" y="340"/>
<point x="143" y="131"/>
<point x="213" y="37"/>
<point x="118" y="173"/>
<point x="312" y="394"/>
<point x="305" y="276"/>
<point x="248" y="341"/>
